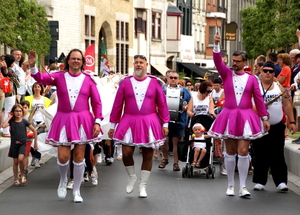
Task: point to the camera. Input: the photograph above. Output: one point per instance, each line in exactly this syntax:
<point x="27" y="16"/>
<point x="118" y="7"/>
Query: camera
<point x="299" y="27"/>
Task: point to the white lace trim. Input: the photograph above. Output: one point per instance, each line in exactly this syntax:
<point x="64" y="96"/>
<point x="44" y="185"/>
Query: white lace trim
<point x="153" y="145"/>
<point x="128" y="140"/>
<point x="247" y="133"/>
<point x="63" y="140"/>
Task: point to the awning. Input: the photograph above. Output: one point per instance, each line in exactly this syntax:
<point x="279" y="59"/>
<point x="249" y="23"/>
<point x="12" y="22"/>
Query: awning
<point x="214" y="72"/>
<point x="195" y="68"/>
<point x="162" y="69"/>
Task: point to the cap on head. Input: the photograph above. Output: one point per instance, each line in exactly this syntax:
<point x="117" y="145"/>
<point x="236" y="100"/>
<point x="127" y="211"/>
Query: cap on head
<point x="218" y="81"/>
<point x="269" y="64"/>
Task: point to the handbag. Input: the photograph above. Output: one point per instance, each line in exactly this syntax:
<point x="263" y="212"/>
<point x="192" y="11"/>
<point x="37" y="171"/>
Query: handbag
<point x="218" y="148"/>
<point x="296" y="100"/>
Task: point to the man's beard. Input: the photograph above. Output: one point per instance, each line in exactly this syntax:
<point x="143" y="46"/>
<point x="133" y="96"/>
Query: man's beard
<point x="236" y="68"/>
<point x="138" y="73"/>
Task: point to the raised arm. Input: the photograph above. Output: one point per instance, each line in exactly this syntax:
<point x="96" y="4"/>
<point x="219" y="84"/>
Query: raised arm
<point x="223" y="70"/>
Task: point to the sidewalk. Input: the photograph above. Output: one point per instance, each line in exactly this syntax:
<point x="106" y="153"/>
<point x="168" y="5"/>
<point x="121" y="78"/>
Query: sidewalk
<point x="6" y="176"/>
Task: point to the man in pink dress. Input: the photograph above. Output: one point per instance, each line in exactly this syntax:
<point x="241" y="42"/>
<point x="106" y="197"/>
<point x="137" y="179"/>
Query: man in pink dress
<point x="237" y="123"/>
<point x="73" y="123"/>
<point x="141" y="112"/>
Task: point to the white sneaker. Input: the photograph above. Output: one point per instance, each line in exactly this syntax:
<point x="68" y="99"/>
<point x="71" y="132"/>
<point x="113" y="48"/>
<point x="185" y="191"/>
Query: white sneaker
<point x="37" y="163"/>
<point x="119" y="157"/>
<point x="244" y="192"/>
<point x="70" y="185"/>
<point x="224" y="172"/>
<point x="109" y="161"/>
<point x="230" y="191"/>
<point x="94" y="179"/>
<point x="95" y="171"/>
<point x="99" y="160"/>
<point x="259" y="187"/>
<point x="282" y="187"/>
<point x="77" y="197"/>
<point x="32" y="162"/>
<point x="62" y="190"/>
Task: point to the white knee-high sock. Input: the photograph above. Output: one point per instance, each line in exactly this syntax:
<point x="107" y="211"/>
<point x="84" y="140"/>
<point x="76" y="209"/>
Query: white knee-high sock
<point x="230" y="163"/>
<point x="243" y="167"/>
<point x="78" y="174"/>
<point x="63" y="170"/>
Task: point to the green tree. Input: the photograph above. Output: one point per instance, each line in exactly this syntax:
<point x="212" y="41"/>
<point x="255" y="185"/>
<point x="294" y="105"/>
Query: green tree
<point x="24" y="25"/>
<point x="8" y="17"/>
<point x="270" y="24"/>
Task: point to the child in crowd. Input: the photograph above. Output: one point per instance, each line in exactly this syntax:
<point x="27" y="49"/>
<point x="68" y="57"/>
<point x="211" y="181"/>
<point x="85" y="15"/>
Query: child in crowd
<point x="198" y="147"/>
<point x="25" y="106"/>
<point x="36" y="155"/>
<point x="18" y="139"/>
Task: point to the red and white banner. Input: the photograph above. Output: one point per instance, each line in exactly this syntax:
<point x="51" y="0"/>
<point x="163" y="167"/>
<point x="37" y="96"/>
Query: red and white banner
<point x="90" y="59"/>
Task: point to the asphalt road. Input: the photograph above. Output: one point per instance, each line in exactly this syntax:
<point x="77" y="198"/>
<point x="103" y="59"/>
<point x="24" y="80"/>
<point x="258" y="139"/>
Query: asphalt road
<point x="168" y="194"/>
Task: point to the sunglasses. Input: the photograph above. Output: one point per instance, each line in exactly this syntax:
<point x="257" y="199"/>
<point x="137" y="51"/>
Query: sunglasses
<point x="237" y="61"/>
<point x="140" y="56"/>
<point x="171" y="77"/>
<point x="188" y="85"/>
<point x="267" y="70"/>
<point x="208" y="91"/>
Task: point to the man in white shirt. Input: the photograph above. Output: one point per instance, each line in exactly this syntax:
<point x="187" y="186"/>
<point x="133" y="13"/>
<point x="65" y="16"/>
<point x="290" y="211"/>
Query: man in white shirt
<point x="21" y="90"/>
<point x="217" y="90"/>
<point x="269" y="150"/>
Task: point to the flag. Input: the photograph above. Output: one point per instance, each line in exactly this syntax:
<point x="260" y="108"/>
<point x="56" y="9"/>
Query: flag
<point x="90" y="59"/>
<point x="105" y="68"/>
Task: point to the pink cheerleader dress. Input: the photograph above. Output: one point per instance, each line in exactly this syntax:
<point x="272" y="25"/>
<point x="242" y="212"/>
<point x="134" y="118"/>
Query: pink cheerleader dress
<point x="73" y="122"/>
<point x="145" y="111"/>
<point x="237" y="119"/>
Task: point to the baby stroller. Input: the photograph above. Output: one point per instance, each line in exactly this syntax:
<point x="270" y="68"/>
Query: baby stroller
<point x="186" y="154"/>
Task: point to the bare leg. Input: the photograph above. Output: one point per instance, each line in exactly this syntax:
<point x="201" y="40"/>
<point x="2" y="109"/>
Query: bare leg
<point x="147" y="158"/>
<point x="25" y="161"/>
<point x="165" y="149"/>
<point x="196" y="153"/>
<point x="128" y="155"/>
<point x="175" y="143"/>
<point x="202" y="154"/>
<point x="15" y="169"/>
<point x="21" y="164"/>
